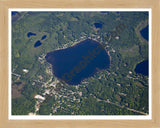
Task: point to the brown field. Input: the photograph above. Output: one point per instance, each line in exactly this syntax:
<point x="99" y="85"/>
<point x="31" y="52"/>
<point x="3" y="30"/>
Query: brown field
<point x="17" y="88"/>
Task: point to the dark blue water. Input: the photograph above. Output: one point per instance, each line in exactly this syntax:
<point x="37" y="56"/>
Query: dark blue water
<point x="43" y="37"/>
<point x="98" y="25"/>
<point x="78" y="62"/>
<point x="104" y="11"/>
<point x="15" y="16"/>
<point x="37" y="44"/>
<point x="29" y="34"/>
<point x="143" y="68"/>
<point x="14" y="13"/>
<point x="17" y="83"/>
<point x="144" y="32"/>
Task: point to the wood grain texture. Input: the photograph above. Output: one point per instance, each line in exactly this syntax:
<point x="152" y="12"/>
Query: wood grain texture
<point x="6" y="4"/>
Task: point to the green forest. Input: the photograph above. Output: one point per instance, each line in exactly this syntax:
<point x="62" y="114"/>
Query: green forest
<point x="113" y="91"/>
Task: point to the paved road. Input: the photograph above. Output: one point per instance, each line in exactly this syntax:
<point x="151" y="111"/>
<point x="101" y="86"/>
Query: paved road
<point x="121" y="106"/>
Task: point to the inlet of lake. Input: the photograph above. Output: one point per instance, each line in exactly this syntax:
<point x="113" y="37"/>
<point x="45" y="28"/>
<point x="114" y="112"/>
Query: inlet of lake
<point x="143" y="68"/>
<point x="145" y="32"/>
<point x="78" y="62"/>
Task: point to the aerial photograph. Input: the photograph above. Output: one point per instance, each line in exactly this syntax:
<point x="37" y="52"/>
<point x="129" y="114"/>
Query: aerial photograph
<point x="79" y="63"/>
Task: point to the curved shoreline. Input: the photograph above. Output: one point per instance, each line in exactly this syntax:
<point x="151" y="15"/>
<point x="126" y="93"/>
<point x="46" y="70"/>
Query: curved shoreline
<point x="82" y="41"/>
<point x="92" y="52"/>
<point x="139" y="27"/>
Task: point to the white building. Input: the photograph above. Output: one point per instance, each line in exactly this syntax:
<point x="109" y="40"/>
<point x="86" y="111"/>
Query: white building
<point x="25" y="70"/>
<point x="39" y="97"/>
<point x="117" y="37"/>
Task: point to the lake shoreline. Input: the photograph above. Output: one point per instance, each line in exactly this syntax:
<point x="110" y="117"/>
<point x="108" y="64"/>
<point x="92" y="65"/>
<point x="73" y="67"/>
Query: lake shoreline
<point x="139" y="27"/>
<point x="75" y="44"/>
<point x="72" y="76"/>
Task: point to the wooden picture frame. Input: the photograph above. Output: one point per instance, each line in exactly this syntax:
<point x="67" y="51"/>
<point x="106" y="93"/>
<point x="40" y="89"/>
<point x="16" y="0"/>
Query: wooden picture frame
<point x="4" y="61"/>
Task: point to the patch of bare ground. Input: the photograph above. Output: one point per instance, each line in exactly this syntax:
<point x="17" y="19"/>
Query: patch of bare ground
<point x="17" y="88"/>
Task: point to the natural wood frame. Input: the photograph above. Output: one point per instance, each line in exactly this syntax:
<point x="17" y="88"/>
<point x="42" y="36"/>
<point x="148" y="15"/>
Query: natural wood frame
<point x="6" y="4"/>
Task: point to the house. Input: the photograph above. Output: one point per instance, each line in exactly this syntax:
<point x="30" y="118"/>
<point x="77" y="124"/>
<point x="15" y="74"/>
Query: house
<point x="25" y="70"/>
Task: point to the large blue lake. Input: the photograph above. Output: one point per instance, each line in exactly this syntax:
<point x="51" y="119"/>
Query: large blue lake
<point x="78" y="62"/>
<point x="145" y="32"/>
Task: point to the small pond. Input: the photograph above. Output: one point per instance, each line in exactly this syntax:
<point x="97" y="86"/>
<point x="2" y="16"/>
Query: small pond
<point x="37" y="44"/>
<point x="43" y="37"/>
<point x="98" y="25"/>
<point x="29" y="34"/>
